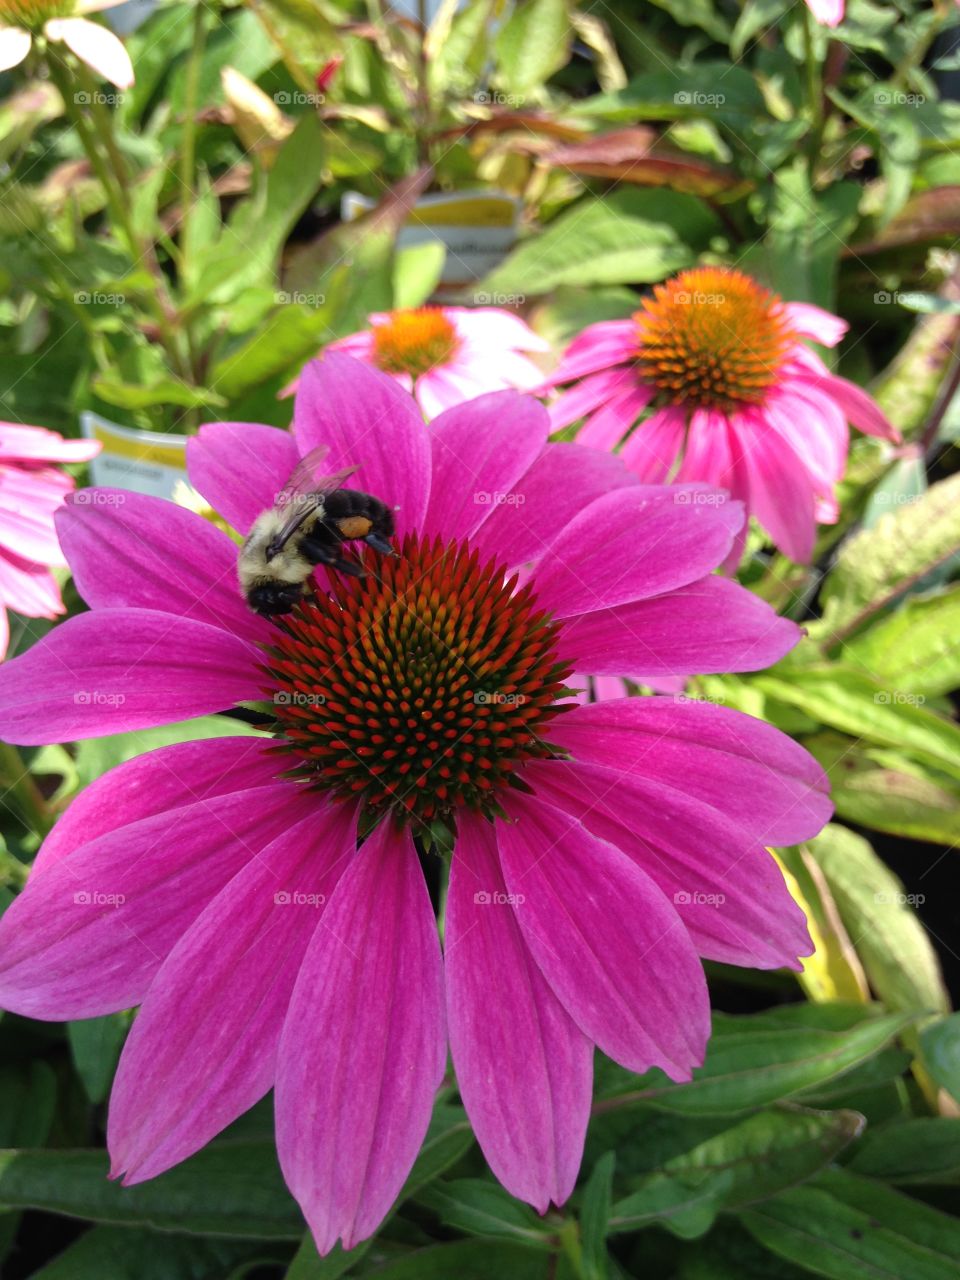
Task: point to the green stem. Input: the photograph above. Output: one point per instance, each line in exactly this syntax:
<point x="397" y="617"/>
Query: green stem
<point x="188" y="138"/>
<point x="16" y="782"/>
<point x="814" y="75"/>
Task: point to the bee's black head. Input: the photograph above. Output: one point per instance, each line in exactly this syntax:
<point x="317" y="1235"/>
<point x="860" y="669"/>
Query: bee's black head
<point x="271" y="598"/>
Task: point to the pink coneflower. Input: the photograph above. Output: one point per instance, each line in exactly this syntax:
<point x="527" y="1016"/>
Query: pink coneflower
<point x="57" y="20"/>
<point x="597" y="851"/>
<point x="31" y="489"/>
<point x="829" y="13"/>
<point x="446" y="355"/>
<point x="738" y="400"/>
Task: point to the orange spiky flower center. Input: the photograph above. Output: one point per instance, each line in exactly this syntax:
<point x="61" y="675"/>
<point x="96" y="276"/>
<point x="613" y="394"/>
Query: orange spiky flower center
<point x="420" y="688"/>
<point x="712" y="338"/>
<point x="414" y="341"/>
<point x="32" y="14"/>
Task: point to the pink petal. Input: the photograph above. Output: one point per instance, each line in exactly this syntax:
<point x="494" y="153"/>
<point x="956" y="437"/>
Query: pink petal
<point x="749" y="771"/>
<point x="636" y="543"/>
<point x="829" y="13"/>
<point x="523" y="1067"/>
<point x="585" y="396"/>
<point x="38" y="444"/>
<point x="605" y="428"/>
<point x="713" y="625"/>
<point x="707" y="456"/>
<point x="652" y="449"/>
<point x="129" y="549"/>
<point x="816" y="428"/>
<point x="599" y="346"/>
<point x="481" y="450"/>
<point x="370" y="422"/>
<point x="14" y="46"/>
<point x="29" y="588"/>
<point x="203" y="1048"/>
<point x="156" y="782"/>
<point x="444" y="388"/>
<point x="861" y="409"/>
<point x="89" y="932"/>
<point x="28" y="499"/>
<point x="240" y="468"/>
<point x="97" y="46"/>
<point x="563" y="480"/>
<point x="781" y="488"/>
<point x="813" y="322"/>
<point x="606" y="939"/>
<point x="727" y="889"/>
<point x="120" y="669"/>
<point x="494" y="329"/>
<point x="363" y="1047"/>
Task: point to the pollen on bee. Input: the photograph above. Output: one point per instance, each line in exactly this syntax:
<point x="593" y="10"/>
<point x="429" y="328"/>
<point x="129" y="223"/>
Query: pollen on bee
<point x="355" y="526"/>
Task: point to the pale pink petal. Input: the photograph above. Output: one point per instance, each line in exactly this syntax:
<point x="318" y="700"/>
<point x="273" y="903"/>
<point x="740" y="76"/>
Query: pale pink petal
<point x="502" y="369"/>
<point x="563" y="480"/>
<point x="481" y="450"/>
<point x="95" y="45"/>
<point x="28" y="499"/>
<point x="363" y="1047"/>
<point x="4" y="632"/>
<point x="119" y="669"/>
<point x="240" y="468"/>
<point x="523" y="1068"/>
<point x="709" y="626"/>
<point x="370" y="422"/>
<point x="130" y="549"/>
<point x="829" y="13"/>
<point x="633" y="544"/>
<point x="861" y="409"/>
<point x="588" y="394"/>
<point x="359" y="345"/>
<point x="725" y="886"/>
<point x="810" y="321"/>
<point x="444" y="387"/>
<point x="816" y="428"/>
<point x="14" y="46"/>
<point x="492" y="328"/>
<point x="755" y="775"/>
<point x="88" y="933"/>
<point x="158" y="781"/>
<point x="605" y="428"/>
<point x="652" y="449"/>
<point x="781" y="488"/>
<point x="32" y="444"/>
<point x="599" y="346"/>
<point x="606" y="939"/>
<point x="28" y="588"/>
<point x="203" y="1048"/>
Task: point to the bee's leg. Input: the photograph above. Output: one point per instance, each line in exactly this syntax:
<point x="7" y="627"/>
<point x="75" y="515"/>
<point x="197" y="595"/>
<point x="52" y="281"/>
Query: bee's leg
<point x="379" y="544"/>
<point x="349" y="567"/>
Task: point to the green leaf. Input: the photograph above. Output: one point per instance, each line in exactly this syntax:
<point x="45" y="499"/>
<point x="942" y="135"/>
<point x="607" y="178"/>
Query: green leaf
<point x="470" y="1260"/>
<point x="922" y="1150"/>
<point x="483" y="1208"/>
<point x="416" y="272"/>
<point x="281" y="341"/>
<point x="116" y="1253"/>
<point x="902" y="484"/>
<point x="940" y="1045"/>
<point x="848" y="1228"/>
<point x="95" y="756"/>
<point x="726" y="94"/>
<point x="28" y="1098"/>
<point x="697" y="13"/>
<point x="878" y="565"/>
<point x="755" y="16"/>
<point x="595" y="1218"/>
<point x="533" y="43"/>
<point x="892" y="944"/>
<point x="95" y="1045"/>
<point x="129" y="395"/>
<point x="750" y="1162"/>
<point x="752" y="1068"/>
<point x="627" y="236"/>
<point x="855" y="704"/>
<point x="228" y="1189"/>
<point x="916" y="648"/>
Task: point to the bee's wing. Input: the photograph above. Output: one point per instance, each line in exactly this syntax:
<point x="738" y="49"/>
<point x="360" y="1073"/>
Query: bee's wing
<point x="303" y="493"/>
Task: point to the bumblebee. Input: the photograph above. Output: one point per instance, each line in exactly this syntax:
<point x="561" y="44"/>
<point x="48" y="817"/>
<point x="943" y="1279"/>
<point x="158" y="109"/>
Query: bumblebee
<point x="312" y="519"/>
